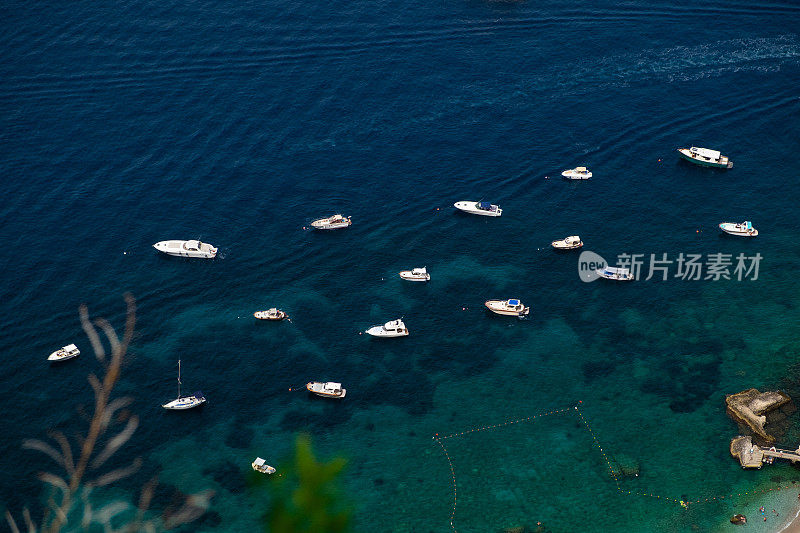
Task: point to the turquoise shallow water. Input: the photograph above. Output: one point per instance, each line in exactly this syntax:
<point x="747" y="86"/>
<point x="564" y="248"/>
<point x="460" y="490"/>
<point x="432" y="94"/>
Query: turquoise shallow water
<point x="128" y="123"/>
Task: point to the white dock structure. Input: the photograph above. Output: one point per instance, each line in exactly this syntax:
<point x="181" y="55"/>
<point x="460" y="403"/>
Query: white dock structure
<point x="753" y="456"/>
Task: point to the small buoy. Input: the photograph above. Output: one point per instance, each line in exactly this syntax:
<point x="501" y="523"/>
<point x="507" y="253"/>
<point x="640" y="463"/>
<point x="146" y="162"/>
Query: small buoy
<point x="547" y="177"/>
<point x="698" y="231"/>
<point x="124" y="253"/>
<point x="437" y="208"/>
<point x="659" y="160"/>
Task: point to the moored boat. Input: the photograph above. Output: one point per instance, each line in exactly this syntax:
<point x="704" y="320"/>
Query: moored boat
<point x="184" y="402"/>
<point x="615" y="273"/>
<point x="67" y="352"/>
<point x="416" y="274"/>
<point x="568" y="243"/>
<point x="270" y="314"/>
<point x="511" y="307"/>
<point x="705" y="157"/>
<point x="191" y="248"/>
<point x="260" y="465"/>
<point x="577" y="173"/>
<point x="327" y="389"/>
<point x="393" y="328"/>
<point x="331" y="222"/>
<point x="479" y="208"/>
<point x="742" y="229"/>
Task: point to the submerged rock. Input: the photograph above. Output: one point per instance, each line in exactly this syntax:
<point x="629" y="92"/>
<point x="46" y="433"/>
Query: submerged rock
<point x="750" y="407"/>
<point x="739" y="519"/>
<point x="625" y="465"/>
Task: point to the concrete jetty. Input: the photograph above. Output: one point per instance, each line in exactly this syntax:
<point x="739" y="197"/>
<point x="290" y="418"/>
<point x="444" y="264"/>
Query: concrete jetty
<point x="753" y="456"/>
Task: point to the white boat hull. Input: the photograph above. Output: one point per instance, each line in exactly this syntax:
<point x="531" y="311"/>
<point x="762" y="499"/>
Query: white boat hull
<point x="409" y="276"/>
<point x="264" y="469"/>
<point x="615" y="277"/>
<point x="64" y="354"/>
<point x="731" y="229"/>
<point x="187" y="402"/>
<point x="705" y="157"/>
<point x="569" y="243"/>
<point x="266" y="315"/>
<point x="320" y="389"/>
<point x="378" y="331"/>
<point x="500" y="307"/>
<point x="193" y="249"/>
<point x="572" y="175"/>
<point x="332" y="223"/>
<point x="471" y="207"/>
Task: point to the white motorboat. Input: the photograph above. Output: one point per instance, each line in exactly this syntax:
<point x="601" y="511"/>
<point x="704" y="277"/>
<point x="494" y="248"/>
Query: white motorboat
<point x="190" y="248"/>
<point x="742" y="229"/>
<point x="260" y="465"/>
<point x="67" y="352"/>
<point x="479" y="208"/>
<point x="270" y="314"/>
<point x="394" y="328"/>
<point x="332" y="222"/>
<point x="569" y="243"/>
<point x="326" y="389"/>
<point x="416" y="274"/>
<point x="507" y="307"/>
<point x="578" y="173"/>
<point x="184" y="402"/>
<point x="615" y="273"/>
<point x="705" y="157"/>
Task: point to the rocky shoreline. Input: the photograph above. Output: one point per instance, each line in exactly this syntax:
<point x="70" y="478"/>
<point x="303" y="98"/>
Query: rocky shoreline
<point x="753" y="410"/>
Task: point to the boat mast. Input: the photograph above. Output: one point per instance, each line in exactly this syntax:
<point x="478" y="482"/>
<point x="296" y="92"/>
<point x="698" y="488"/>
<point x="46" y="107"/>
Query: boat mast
<point x="179" y="378"/>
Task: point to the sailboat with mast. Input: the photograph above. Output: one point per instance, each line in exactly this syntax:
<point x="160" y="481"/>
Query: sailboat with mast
<point x="184" y="402"/>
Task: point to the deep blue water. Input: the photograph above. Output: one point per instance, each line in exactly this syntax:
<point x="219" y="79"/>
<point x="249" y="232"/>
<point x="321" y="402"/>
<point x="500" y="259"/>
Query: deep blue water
<point x="126" y="123"/>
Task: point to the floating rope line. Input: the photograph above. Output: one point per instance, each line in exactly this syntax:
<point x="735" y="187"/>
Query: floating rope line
<point x="439" y="439"/>
<point x="614" y="474"/>
<point x="597" y="443"/>
<point x="455" y="486"/>
<point x="503" y="424"/>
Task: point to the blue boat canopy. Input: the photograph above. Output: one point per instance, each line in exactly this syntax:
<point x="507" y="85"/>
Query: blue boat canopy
<point x="748" y="225"/>
<point x="487" y="206"/>
<point x="513" y="302"/>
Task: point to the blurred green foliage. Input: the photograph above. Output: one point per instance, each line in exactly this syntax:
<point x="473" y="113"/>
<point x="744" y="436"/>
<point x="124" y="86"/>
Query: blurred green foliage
<point x="305" y="496"/>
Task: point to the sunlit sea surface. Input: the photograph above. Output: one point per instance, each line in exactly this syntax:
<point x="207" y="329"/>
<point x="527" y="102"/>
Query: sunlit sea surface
<point x="126" y="123"/>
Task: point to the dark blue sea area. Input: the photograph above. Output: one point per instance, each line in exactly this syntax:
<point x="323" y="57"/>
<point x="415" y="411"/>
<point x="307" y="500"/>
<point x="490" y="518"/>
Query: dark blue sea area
<point x="238" y="123"/>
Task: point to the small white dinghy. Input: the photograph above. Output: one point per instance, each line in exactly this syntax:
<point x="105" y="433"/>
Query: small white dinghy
<point x="416" y="274"/>
<point x="743" y="229"/>
<point x="507" y="307"/>
<point x="615" y="273"/>
<point x="67" y="352"/>
<point x="260" y="465"/>
<point x="192" y="248"/>
<point x="568" y="243"/>
<point x="331" y="222"/>
<point x="479" y="208"/>
<point x="394" y="328"/>
<point x="270" y="314"/>
<point x="184" y="402"/>
<point x="578" y="173"/>
<point x="327" y="389"/>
